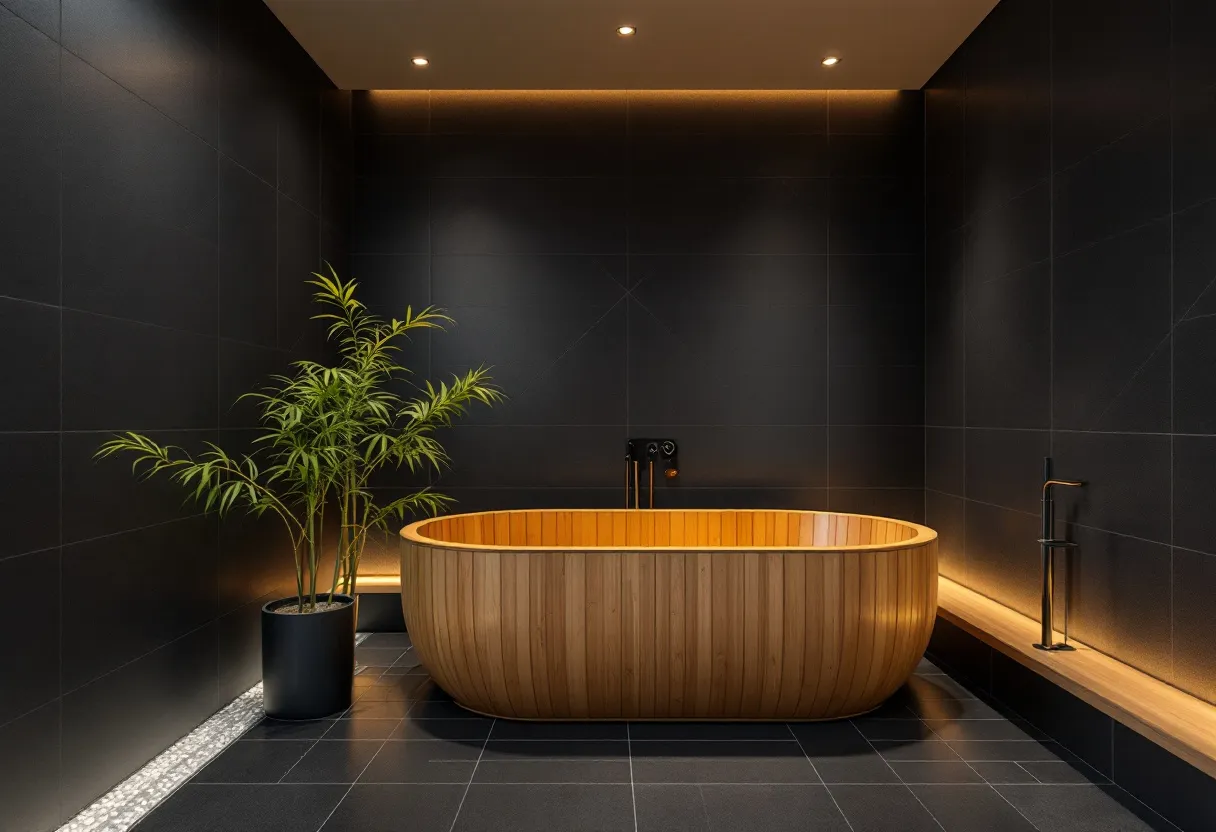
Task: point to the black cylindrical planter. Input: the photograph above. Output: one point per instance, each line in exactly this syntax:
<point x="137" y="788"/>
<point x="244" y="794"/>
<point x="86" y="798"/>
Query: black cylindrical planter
<point x="308" y="661"/>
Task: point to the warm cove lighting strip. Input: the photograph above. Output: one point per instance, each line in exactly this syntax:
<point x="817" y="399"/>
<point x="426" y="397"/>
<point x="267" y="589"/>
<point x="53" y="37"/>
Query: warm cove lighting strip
<point x="127" y="803"/>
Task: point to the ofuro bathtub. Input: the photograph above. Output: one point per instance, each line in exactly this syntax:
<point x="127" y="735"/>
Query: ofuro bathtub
<point x="656" y="614"/>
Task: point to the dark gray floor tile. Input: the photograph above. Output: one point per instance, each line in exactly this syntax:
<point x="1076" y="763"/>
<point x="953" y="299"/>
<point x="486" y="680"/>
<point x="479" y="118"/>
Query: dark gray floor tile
<point x="409" y="661"/>
<point x="1015" y="751"/>
<point x="506" y="729"/>
<point x="390" y="808"/>
<point x="669" y="808"/>
<point x="440" y="709"/>
<point x="390" y="687"/>
<point x="378" y="656"/>
<point x="894" y="708"/>
<point x="362" y="729"/>
<point x="928" y="668"/>
<point x="971" y="809"/>
<point x="405" y="670"/>
<point x="984" y="729"/>
<point x="1003" y="773"/>
<point x="242" y="808"/>
<point x="554" y="761"/>
<point x="883" y="809"/>
<point x="442" y="729"/>
<point x="334" y="762"/>
<point x="711" y="761"/>
<point x="934" y="750"/>
<point x="710" y="731"/>
<point x="772" y="808"/>
<point x="841" y="754"/>
<point x="1062" y="771"/>
<point x="857" y="769"/>
<point x="397" y="641"/>
<point x="379" y="709"/>
<point x="830" y="738"/>
<point x="254" y="761"/>
<point x="423" y="761"/>
<point x="1083" y="809"/>
<point x="937" y="687"/>
<point x="941" y="771"/>
<point x="951" y="708"/>
<point x="496" y="808"/>
<point x="289" y="729"/>
<point x="420" y="685"/>
<point x="893" y="729"/>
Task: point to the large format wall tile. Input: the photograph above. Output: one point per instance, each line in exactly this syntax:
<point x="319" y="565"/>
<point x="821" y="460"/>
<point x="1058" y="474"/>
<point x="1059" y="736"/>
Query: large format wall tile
<point x="1194" y="665"/>
<point x="29" y="169"/>
<point x="248" y="257"/>
<point x="158" y="582"/>
<point x="1008" y="350"/>
<point x="1088" y="186"/>
<point x="33" y="611"/>
<point x="164" y="52"/>
<point x="144" y="163"/>
<point x="661" y="263"/>
<point x="1118" y="594"/>
<point x="29" y="492"/>
<point x="100" y="497"/>
<point x="1098" y="94"/>
<point x="108" y="363"/>
<point x="1112" y="299"/>
<point x="122" y="720"/>
<point x="29" y="777"/>
<point x="1005" y="70"/>
<point x="31" y="331"/>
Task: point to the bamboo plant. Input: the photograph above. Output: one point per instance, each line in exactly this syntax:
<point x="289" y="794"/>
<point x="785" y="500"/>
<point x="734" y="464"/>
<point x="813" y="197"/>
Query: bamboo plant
<point x="325" y="430"/>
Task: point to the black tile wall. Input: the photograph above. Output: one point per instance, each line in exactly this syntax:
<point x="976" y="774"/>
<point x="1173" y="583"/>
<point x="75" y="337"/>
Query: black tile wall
<point x="740" y="271"/>
<point x="1069" y="303"/>
<point x="163" y="166"/>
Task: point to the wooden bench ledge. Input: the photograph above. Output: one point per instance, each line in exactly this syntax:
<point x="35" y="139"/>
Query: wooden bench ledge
<point x="1180" y="723"/>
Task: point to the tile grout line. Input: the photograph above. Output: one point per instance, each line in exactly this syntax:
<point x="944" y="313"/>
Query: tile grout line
<point x="632" y="789"/>
<point x="897" y="777"/>
<point x="983" y="779"/>
<point x="345" y="795"/>
<point x="472" y="774"/>
<point x="849" y="823"/>
<point x="1031" y="773"/>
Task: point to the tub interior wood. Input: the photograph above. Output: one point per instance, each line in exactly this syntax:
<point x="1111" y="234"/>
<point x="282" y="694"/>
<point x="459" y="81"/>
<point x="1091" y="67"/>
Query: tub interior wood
<point x="656" y="614"/>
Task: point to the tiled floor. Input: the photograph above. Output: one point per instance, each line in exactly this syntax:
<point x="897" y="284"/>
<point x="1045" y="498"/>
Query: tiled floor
<point x="405" y="757"/>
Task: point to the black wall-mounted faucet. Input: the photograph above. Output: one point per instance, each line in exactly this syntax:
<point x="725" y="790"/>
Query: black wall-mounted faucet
<point x="653" y="451"/>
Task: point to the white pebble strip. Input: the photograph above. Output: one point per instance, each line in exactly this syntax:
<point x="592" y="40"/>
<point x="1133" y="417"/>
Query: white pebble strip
<point x="123" y="806"/>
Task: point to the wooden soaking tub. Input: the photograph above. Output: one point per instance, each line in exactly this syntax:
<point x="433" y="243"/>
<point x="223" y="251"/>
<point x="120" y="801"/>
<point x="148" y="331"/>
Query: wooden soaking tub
<point x="657" y="614"/>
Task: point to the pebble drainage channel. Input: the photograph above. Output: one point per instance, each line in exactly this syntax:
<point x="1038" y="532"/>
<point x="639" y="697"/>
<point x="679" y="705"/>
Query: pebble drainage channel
<point x="126" y="804"/>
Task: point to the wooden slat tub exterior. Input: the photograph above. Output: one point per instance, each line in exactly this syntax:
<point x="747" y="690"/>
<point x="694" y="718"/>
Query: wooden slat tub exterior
<point x="656" y="614"/>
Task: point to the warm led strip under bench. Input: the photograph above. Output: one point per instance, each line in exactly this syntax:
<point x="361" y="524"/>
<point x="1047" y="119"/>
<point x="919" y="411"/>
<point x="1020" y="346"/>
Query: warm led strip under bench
<point x="1180" y="723"/>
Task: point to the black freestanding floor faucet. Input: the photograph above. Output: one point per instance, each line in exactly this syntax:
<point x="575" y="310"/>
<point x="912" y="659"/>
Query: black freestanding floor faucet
<point x="1048" y="545"/>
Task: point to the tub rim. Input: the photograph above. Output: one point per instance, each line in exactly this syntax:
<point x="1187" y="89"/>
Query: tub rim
<point x="923" y="535"/>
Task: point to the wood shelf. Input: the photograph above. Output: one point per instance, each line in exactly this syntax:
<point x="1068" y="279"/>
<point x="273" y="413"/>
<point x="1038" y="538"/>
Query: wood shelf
<point x="1180" y="723"/>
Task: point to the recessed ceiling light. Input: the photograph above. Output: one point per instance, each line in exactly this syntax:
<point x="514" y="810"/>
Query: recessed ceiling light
<point x="420" y="61"/>
<point x="831" y="60"/>
<point x="625" y="31"/>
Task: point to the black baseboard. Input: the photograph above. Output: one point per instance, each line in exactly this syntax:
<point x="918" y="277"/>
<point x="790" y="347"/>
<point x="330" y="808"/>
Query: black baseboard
<point x="380" y="612"/>
<point x="1172" y="787"/>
